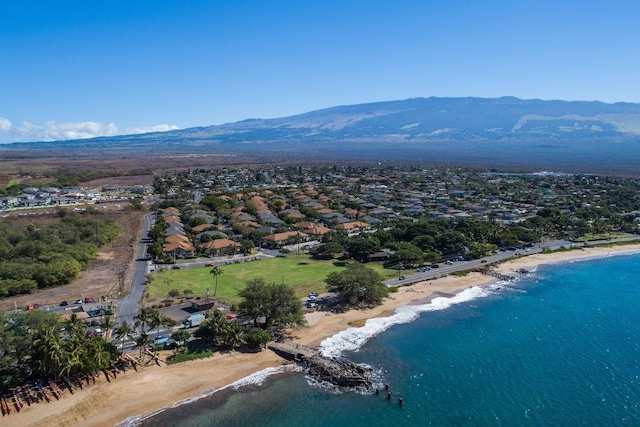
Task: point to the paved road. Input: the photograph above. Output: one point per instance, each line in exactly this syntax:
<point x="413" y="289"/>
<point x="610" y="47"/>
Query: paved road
<point x="411" y="277"/>
<point x="127" y="307"/>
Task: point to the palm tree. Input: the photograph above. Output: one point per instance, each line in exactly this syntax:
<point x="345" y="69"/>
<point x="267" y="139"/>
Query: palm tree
<point x="216" y="271"/>
<point x="75" y="325"/>
<point x="182" y="336"/>
<point x="50" y="351"/>
<point x="214" y="329"/>
<point x="157" y="320"/>
<point x="107" y="327"/>
<point x="142" y="319"/>
<point x="142" y="341"/>
<point x="123" y="331"/>
<point x="235" y="335"/>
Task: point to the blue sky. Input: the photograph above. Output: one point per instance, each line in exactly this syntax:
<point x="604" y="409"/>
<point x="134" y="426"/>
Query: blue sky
<point x="83" y="68"/>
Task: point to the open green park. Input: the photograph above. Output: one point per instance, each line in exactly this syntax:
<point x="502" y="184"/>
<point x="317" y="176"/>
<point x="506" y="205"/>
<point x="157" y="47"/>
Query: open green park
<point x="301" y="271"/>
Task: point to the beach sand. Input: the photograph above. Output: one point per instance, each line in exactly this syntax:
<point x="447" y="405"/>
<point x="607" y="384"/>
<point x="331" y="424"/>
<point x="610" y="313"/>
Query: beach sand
<point x="154" y="387"/>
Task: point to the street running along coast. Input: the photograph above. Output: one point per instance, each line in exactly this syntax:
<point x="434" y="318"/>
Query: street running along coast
<point x="155" y="387"/>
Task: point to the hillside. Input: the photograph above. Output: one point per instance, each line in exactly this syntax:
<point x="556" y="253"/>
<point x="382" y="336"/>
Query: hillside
<point x="507" y="132"/>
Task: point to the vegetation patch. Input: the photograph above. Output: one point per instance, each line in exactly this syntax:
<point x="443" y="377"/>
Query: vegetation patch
<point x="300" y="271"/>
<point x="185" y="357"/>
<point x="37" y="257"/>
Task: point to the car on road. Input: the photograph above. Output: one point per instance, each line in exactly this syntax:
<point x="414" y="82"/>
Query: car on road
<point x="401" y="278"/>
<point x="64" y="303"/>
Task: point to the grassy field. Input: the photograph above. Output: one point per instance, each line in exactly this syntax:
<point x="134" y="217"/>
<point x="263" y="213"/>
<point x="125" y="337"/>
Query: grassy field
<point x="302" y="272"/>
<point x="601" y="236"/>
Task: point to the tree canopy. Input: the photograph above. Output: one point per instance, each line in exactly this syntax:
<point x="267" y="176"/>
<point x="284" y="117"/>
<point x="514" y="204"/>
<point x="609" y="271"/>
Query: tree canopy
<point x="271" y="305"/>
<point x="357" y="284"/>
<point x="39" y="257"/>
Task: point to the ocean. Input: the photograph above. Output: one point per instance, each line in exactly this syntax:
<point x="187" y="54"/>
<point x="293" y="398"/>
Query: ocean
<point x="560" y="347"/>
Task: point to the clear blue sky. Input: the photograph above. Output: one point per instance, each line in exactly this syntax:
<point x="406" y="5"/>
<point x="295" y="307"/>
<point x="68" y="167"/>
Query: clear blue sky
<point x="81" y="68"/>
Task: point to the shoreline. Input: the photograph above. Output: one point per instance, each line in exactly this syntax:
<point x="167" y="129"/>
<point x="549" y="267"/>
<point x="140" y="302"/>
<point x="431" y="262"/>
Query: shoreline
<point x="154" y="388"/>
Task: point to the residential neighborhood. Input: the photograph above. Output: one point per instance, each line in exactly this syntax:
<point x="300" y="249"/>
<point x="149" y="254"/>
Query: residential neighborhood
<point x="228" y="211"/>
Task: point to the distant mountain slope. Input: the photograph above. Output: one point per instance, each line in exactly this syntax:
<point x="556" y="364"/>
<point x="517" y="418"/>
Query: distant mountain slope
<point x="469" y="131"/>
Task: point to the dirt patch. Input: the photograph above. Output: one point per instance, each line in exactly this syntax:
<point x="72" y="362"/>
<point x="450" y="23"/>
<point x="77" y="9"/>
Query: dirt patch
<point x="108" y="275"/>
<point x="121" y="181"/>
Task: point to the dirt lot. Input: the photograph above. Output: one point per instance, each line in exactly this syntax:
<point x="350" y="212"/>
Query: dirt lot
<point x="102" y="277"/>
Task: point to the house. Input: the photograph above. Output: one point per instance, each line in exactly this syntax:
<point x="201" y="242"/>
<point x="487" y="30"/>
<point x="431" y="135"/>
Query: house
<point x="176" y="238"/>
<point x="312" y="229"/>
<point x="203" y="227"/>
<point x="219" y="246"/>
<point x="353" y="227"/>
<point x="179" y="249"/>
<point x="278" y="240"/>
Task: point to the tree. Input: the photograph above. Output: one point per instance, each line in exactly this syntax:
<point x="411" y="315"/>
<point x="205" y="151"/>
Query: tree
<point x="181" y="336"/>
<point x="235" y="335"/>
<point x="450" y="242"/>
<point x="107" y="327"/>
<point x="123" y="332"/>
<point x="480" y="250"/>
<point x="157" y="320"/>
<point x="360" y="248"/>
<point x="406" y="255"/>
<point x="247" y="246"/>
<point x="214" y="329"/>
<point x="328" y="250"/>
<point x="216" y="271"/>
<point x="357" y="284"/>
<point x="276" y="303"/>
<point x="257" y="338"/>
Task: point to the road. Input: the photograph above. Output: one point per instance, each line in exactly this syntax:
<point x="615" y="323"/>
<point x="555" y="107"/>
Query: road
<point x="412" y="277"/>
<point x="127" y="307"/>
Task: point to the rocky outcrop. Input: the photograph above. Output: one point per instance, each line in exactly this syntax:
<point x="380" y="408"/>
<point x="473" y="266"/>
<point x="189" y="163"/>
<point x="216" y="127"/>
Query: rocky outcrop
<point x="340" y="372"/>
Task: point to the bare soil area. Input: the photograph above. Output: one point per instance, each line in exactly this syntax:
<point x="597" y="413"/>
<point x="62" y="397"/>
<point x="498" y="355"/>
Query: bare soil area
<point x="108" y="275"/>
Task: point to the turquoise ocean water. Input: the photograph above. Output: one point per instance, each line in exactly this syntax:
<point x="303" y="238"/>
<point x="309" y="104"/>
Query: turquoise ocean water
<point x="558" y="348"/>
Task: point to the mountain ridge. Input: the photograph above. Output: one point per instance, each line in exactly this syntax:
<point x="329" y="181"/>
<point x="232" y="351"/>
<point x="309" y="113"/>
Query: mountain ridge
<point x="469" y="130"/>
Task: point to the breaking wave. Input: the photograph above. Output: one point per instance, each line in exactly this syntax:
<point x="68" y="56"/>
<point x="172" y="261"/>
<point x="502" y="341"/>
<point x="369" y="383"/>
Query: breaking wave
<point x="353" y="338"/>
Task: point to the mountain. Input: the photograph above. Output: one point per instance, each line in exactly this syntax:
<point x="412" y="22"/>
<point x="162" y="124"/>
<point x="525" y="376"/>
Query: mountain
<point x="489" y="132"/>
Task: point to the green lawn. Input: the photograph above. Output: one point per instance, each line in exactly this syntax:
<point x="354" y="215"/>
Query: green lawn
<point x="302" y="272"/>
<point x="602" y="236"/>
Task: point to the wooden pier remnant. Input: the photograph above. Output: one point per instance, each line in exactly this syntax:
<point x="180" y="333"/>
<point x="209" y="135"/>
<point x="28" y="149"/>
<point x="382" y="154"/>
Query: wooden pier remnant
<point x="340" y="372"/>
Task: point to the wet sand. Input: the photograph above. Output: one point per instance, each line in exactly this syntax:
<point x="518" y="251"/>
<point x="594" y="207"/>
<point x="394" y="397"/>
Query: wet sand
<point x="154" y="387"/>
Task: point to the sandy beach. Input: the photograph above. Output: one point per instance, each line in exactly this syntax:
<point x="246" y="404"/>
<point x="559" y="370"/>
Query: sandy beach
<point x="154" y="387"/>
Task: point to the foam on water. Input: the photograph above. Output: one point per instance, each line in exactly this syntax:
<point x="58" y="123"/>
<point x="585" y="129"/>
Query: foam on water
<point x="353" y="338"/>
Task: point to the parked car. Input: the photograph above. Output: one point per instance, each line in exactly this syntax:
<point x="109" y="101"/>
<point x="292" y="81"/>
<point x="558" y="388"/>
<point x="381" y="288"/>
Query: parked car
<point x="64" y="303"/>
